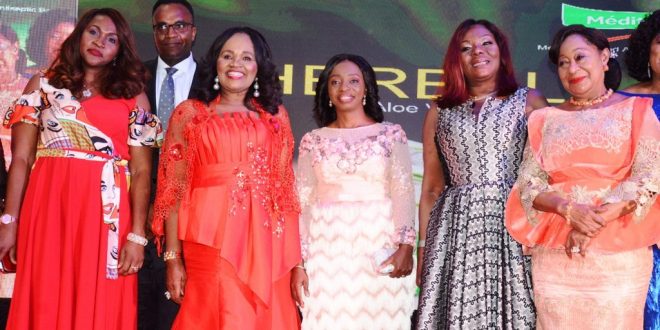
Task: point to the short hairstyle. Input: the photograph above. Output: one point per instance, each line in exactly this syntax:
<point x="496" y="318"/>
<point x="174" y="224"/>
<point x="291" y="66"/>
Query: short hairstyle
<point x="40" y="32"/>
<point x="180" y="2"/>
<point x="594" y="37"/>
<point x="8" y="33"/>
<point x="455" y="91"/>
<point x="324" y="115"/>
<point x="639" y="47"/>
<point x="270" y="90"/>
<point x="124" y="77"/>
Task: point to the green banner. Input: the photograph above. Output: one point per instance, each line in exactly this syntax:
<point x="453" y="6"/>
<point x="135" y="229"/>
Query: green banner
<point x="601" y="19"/>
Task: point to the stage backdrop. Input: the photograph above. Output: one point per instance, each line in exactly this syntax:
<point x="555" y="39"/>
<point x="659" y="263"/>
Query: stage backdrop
<point x="404" y="40"/>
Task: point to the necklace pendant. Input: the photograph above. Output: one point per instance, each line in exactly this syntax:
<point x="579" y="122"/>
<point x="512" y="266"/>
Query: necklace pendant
<point x="86" y="92"/>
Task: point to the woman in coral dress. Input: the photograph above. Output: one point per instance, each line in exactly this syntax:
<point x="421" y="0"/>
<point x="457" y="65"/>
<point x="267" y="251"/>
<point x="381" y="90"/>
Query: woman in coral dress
<point x="226" y="200"/>
<point x="358" y="221"/>
<point x="81" y="224"/>
<point x="585" y="200"/>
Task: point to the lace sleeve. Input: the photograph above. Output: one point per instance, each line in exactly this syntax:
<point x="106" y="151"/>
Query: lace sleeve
<point x="306" y="182"/>
<point x="532" y="180"/>
<point x="402" y="190"/>
<point x="174" y="169"/>
<point x="643" y="184"/>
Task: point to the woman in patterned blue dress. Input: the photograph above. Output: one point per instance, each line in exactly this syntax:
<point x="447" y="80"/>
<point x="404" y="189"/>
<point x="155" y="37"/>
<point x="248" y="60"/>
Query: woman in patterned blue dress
<point x="643" y="62"/>
<point x="474" y="275"/>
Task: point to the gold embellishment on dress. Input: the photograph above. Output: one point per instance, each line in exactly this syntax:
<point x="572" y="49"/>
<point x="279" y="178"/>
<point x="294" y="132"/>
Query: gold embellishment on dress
<point x="240" y="191"/>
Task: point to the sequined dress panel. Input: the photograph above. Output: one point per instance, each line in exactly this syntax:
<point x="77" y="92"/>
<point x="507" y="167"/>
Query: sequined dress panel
<point x="475" y="275"/>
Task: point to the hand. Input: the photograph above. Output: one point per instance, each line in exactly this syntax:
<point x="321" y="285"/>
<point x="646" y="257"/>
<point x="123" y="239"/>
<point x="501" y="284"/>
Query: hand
<point x="586" y="219"/>
<point x="130" y="258"/>
<point x="576" y="240"/>
<point x="299" y="283"/>
<point x="610" y="212"/>
<point x="176" y="279"/>
<point x="402" y="261"/>
<point x="420" y="264"/>
<point x="8" y="239"/>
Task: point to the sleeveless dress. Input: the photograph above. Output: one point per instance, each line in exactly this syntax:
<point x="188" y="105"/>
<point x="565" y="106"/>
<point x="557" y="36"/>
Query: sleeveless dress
<point x="357" y="196"/>
<point x="596" y="156"/>
<point x="76" y="211"/>
<point x="474" y="274"/>
<point x="229" y="180"/>
<point x="652" y="309"/>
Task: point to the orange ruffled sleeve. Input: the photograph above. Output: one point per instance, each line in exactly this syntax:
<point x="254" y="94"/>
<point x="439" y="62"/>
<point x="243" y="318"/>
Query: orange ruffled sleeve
<point x="641" y="183"/>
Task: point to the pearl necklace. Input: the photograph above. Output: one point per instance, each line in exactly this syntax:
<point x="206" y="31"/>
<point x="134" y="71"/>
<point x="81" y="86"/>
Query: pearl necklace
<point x="591" y="102"/>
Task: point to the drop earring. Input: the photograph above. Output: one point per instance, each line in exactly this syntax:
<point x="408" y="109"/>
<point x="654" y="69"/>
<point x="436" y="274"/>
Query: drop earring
<point x="256" y="87"/>
<point x="648" y="70"/>
<point x="364" y="100"/>
<point x="330" y="103"/>
<point x="216" y="86"/>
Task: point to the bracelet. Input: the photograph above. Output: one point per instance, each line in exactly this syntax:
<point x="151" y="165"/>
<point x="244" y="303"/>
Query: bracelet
<point x="171" y="254"/>
<point x="137" y="239"/>
<point x="421" y="243"/>
<point x="567" y="211"/>
<point x="301" y="267"/>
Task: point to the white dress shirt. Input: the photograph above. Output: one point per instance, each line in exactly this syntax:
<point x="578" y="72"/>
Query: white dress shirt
<point x="183" y="79"/>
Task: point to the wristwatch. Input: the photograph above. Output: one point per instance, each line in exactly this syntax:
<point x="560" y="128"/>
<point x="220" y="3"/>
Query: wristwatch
<point x="6" y="219"/>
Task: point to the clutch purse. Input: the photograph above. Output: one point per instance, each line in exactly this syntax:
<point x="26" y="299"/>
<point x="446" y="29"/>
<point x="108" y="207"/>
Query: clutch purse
<point x="6" y="266"/>
<point x="377" y="259"/>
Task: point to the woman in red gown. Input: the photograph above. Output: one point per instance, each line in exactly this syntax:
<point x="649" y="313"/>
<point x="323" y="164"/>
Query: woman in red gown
<point x="80" y="178"/>
<point x="226" y="198"/>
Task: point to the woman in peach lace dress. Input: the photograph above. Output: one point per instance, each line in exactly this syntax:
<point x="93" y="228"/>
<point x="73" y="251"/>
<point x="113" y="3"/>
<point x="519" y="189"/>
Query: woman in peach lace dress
<point x="585" y="200"/>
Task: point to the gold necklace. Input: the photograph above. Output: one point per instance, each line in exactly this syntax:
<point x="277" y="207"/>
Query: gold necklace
<point x="591" y="102"/>
<point x="473" y="98"/>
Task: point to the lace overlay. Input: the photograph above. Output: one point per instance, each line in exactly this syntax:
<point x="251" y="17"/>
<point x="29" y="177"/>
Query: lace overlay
<point x="356" y="193"/>
<point x="605" y="129"/>
<point x="594" y="157"/>
<point x="351" y="154"/>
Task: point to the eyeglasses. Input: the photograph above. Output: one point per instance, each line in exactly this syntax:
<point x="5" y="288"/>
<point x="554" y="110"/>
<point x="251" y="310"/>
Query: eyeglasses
<point x="178" y="27"/>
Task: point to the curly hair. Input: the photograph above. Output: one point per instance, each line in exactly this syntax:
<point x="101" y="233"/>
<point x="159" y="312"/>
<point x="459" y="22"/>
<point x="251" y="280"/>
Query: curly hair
<point x="270" y="90"/>
<point x="40" y="32"/>
<point x="324" y="115"/>
<point x="456" y="88"/>
<point x="125" y="77"/>
<point x="594" y="37"/>
<point x="639" y="46"/>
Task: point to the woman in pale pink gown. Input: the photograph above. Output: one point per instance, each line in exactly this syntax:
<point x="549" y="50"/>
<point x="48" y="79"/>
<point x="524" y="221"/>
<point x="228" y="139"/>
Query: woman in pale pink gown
<point x="357" y="223"/>
<point x="585" y="199"/>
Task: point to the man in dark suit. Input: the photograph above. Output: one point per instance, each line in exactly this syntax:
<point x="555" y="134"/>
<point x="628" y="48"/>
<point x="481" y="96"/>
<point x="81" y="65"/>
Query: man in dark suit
<point x="173" y="79"/>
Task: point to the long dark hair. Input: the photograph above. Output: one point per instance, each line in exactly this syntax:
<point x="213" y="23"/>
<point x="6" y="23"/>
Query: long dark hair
<point x="124" y="77"/>
<point x="455" y="91"/>
<point x="594" y="37"/>
<point x="270" y="91"/>
<point x="323" y="114"/>
<point x="639" y="47"/>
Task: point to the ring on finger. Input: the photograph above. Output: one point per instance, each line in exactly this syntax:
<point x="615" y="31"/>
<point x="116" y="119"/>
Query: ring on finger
<point x="136" y="268"/>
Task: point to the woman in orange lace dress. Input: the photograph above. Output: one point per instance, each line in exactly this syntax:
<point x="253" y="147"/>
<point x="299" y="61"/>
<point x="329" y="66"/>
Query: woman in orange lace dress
<point x="585" y="199"/>
<point x="226" y="198"/>
<point x="80" y="178"/>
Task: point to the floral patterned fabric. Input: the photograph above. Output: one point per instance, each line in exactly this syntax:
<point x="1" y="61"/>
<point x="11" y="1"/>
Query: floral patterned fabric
<point x="356" y="193"/>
